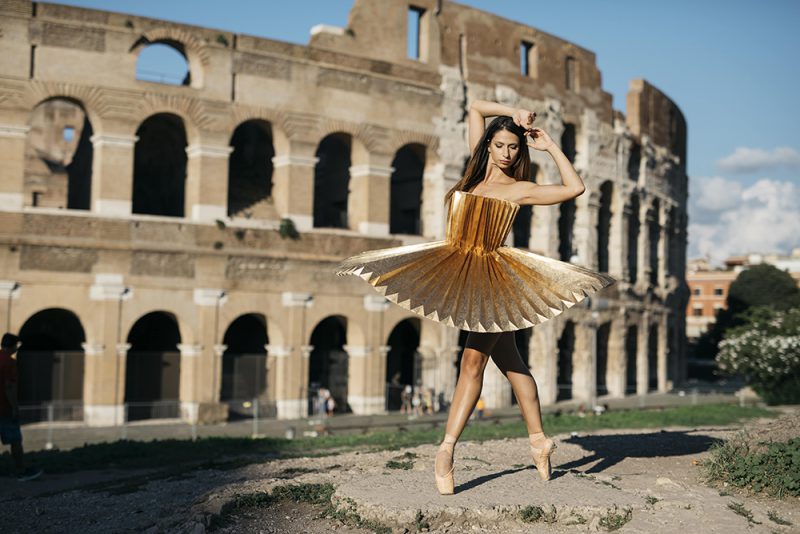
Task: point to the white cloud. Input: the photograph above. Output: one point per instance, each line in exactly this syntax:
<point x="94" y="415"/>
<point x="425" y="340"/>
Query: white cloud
<point x="717" y="193"/>
<point x="748" y="160"/>
<point x="765" y="218"/>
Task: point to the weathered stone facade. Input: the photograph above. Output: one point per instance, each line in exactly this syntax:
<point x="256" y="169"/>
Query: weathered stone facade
<point x="143" y="221"/>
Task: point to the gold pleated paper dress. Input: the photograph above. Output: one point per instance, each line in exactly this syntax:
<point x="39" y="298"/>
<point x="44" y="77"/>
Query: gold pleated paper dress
<point x="469" y="281"/>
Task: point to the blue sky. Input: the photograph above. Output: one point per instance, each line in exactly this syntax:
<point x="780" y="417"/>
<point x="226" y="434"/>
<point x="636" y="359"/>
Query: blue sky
<point x="730" y="65"/>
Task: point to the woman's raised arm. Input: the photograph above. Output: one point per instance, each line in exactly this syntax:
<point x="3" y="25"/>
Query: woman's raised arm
<point x="571" y="184"/>
<point x="480" y="109"/>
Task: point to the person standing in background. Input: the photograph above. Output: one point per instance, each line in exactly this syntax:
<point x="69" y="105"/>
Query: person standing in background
<point x="10" y="433"/>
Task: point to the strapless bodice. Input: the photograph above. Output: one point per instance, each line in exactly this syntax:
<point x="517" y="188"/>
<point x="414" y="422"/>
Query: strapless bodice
<point x="479" y="223"/>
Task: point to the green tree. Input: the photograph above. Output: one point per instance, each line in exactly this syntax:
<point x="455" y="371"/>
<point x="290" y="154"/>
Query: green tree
<point x="763" y="285"/>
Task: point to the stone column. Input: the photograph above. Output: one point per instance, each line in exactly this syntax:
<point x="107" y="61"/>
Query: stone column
<point x="291" y="371"/>
<point x="293" y="185"/>
<point x="436" y="182"/>
<point x="359" y="392"/>
<point x="104" y="365"/>
<point x="663" y="248"/>
<point x="367" y="365"/>
<point x="274" y="353"/>
<point x="543" y="348"/>
<point x="618" y="238"/>
<point x="584" y="366"/>
<point x="12" y="171"/>
<point x="642" y="346"/>
<point x="203" y="383"/>
<point x="368" y="202"/>
<point x="189" y="389"/>
<point x="112" y="174"/>
<point x="662" y="352"/>
<point x="587" y="209"/>
<point x="207" y="182"/>
<point x="617" y="364"/>
<point x="643" y="260"/>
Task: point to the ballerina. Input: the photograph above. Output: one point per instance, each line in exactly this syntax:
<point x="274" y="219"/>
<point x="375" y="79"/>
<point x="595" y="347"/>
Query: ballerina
<point x="470" y="281"/>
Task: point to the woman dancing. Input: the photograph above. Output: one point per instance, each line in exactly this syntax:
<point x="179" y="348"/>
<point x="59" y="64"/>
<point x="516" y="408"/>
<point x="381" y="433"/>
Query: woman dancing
<point x="470" y="281"/>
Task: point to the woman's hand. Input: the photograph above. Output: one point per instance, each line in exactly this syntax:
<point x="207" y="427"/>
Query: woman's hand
<point x="539" y="139"/>
<point x="524" y="118"/>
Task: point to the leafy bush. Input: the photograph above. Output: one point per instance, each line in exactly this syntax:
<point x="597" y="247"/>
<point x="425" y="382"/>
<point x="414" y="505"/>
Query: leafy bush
<point x="773" y="468"/>
<point x="766" y="351"/>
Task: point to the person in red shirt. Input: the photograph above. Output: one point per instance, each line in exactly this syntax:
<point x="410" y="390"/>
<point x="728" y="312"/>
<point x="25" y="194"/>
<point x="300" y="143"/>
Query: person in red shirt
<point x="9" y="407"/>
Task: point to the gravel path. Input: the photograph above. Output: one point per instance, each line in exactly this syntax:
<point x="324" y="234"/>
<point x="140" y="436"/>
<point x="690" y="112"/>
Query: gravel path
<point x="648" y="481"/>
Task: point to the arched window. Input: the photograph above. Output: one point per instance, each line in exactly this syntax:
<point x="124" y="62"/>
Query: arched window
<point x="631" y="341"/>
<point x="58" y="156"/>
<point x="328" y="362"/>
<point x="566" y="350"/>
<point x="654" y="239"/>
<point x="250" y="166"/>
<point x="331" y="180"/>
<point x="50" y="365"/>
<point x="604" y="225"/>
<point x="405" y="197"/>
<point x="244" y="368"/>
<point x="603" y="333"/>
<point x="163" y="62"/>
<point x="403" y="367"/>
<point x="159" y="166"/>
<point x="153" y="367"/>
<point x="633" y="239"/>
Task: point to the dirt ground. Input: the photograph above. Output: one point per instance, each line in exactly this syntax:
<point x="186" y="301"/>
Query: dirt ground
<point x="642" y="481"/>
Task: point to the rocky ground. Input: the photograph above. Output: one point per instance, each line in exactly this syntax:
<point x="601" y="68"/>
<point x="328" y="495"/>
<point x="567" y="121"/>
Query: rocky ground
<point x="637" y="481"/>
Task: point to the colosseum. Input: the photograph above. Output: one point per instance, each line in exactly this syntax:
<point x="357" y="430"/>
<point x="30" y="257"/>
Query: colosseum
<point x="167" y="249"/>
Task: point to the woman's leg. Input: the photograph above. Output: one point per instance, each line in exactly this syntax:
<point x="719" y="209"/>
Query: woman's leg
<point x="468" y="391"/>
<point x="507" y="358"/>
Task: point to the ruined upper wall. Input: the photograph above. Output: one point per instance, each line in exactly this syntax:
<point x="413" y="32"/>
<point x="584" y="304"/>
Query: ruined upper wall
<point x="484" y="47"/>
<point x="652" y="113"/>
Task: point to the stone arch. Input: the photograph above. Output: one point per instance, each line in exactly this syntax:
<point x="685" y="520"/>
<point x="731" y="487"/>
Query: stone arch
<point x="51" y="364"/>
<point x="183" y="41"/>
<point x="604" y="215"/>
<point x="403" y="361"/>
<point x="192" y="111"/>
<point x="153" y="366"/>
<point x="566" y="356"/>
<point x="566" y="229"/>
<point x="160" y="166"/>
<point x="601" y="363"/>
<point x="250" y="167"/>
<point x="328" y="362"/>
<point x="163" y="62"/>
<point x="654" y="239"/>
<point x="633" y="237"/>
<point x="59" y="155"/>
<point x="276" y="120"/>
<point x="631" y="342"/>
<point x="244" y="363"/>
<point x="331" y="180"/>
<point x="363" y="140"/>
<point x="92" y="99"/>
<point x="652" y="357"/>
<point x="405" y="190"/>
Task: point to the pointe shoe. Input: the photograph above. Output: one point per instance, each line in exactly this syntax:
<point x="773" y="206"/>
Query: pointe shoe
<point x="541" y="457"/>
<point x="444" y="483"/>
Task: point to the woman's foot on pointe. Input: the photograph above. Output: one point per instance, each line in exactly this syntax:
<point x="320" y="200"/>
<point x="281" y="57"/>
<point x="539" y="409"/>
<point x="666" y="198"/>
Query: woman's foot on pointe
<point x="541" y="449"/>
<point x="443" y="468"/>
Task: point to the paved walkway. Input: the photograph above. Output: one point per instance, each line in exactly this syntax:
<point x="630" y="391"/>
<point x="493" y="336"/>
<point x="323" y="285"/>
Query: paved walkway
<point x="65" y="436"/>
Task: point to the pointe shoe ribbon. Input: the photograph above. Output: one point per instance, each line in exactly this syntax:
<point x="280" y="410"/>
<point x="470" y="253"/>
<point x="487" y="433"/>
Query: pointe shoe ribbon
<point x="444" y="483"/>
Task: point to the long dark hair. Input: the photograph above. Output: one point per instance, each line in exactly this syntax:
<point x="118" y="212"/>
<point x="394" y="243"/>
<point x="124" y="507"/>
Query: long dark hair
<point x="476" y="168"/>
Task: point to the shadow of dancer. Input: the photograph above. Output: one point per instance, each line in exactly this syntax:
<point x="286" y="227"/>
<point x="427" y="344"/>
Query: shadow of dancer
<point x="612" y="449"/>
<point x="486" y="478"/>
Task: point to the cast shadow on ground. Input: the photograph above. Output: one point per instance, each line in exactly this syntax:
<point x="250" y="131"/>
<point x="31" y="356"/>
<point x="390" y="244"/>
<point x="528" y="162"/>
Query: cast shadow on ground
<point x="612" y="449"/>
<point x="486" y="478"/>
